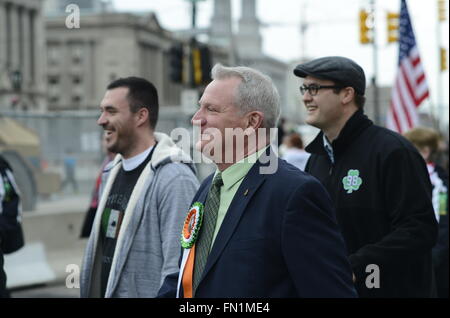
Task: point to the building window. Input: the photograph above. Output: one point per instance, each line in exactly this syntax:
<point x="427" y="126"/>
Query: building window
<point x="77" y="55"/>
<point x="76" y="99"/>
<point x="76" y="79"/>
<point x="53" y="55"/>
<point x="76" y="60"/>
<point x="54" y="99"/>
<point x="53" y="80"/>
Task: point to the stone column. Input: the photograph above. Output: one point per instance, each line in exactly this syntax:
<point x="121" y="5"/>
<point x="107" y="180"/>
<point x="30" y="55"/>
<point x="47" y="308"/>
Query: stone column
<point x="249" y="39"/>
<point x="248" y="9"/>
<point x="14" y="25"/>
<point x="221" y="30"/>
<point x="39" y="63"/>
<point x="159" y="56"/>
<point x="93" y="74"/>
<point x="85" y="74"/>
<point x="3" y="47"/>
<point x="64" y="62"/>
<point x="26" y="47"/>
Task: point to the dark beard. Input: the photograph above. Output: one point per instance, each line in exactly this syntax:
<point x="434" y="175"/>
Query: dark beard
<point x="124" y="143"/>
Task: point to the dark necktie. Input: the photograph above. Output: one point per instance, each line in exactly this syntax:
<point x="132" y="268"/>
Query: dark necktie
<point x="203" y="245"/>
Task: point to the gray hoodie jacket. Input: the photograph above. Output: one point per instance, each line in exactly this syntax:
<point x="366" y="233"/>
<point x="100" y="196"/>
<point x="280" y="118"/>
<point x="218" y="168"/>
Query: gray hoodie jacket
<point x="148" y="245"/>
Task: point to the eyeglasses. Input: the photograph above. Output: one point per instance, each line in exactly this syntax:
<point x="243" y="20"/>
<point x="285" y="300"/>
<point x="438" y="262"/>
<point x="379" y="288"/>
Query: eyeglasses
<point x="313" y="89"/>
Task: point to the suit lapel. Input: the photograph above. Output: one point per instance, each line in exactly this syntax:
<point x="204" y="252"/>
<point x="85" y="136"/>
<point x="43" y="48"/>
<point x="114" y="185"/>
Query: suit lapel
<point x="202" y="197"/>
<point x="244" y="194"/>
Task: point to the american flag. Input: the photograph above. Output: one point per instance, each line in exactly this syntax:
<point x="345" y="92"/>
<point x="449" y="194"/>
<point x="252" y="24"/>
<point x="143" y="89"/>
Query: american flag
<point x="410" y="88"/>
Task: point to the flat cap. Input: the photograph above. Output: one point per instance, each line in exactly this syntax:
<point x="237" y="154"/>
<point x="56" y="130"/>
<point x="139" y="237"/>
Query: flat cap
<point x="336" y="68"/>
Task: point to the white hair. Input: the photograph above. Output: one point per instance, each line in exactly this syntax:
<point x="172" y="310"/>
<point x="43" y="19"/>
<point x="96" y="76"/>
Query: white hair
<point x="256" y="92"/>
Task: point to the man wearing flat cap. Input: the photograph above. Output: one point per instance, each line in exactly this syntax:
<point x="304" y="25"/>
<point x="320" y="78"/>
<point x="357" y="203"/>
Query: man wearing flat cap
<point x="378" y="182"/>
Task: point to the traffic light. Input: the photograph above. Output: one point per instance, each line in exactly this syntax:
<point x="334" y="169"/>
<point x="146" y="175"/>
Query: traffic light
<point x="392" y="26"/>
<point x="196" y="66"/>
<point x="365" y="31"/>
<point x="441" y="10"/>
<point x="176" y="57"/>
<point x="201" y="64"/>
<point x="443" y="64"/>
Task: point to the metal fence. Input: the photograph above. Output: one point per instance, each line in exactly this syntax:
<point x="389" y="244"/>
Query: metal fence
<point x="75" y="137"/>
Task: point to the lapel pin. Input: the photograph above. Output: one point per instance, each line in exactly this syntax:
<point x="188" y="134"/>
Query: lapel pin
<point x="246" y="192"/>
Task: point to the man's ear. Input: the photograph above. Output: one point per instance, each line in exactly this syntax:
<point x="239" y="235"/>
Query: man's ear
<point x="254" y="120"/>
<point x="348" y="95"/>
<point x="142" y="116"/>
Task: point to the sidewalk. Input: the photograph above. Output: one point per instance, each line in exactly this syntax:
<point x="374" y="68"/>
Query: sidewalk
<point x="61" y="204"/>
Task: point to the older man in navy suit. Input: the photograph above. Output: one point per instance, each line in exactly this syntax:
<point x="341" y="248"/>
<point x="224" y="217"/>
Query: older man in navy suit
<point x="258" y="227"/>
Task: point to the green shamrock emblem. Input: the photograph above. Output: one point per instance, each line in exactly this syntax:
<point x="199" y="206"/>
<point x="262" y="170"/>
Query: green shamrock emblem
<point x="352" y="181"/>
<point x="8" y="190"/>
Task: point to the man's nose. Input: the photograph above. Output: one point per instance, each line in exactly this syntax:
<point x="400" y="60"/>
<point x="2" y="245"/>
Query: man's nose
<point x="198" y="119"/>
<point x="101" y="121"/>
<point x="306" y="96"/>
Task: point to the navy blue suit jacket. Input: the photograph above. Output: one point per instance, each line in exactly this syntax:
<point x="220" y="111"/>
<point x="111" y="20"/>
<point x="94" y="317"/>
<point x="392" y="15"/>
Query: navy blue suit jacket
<point x="279" y="238"/>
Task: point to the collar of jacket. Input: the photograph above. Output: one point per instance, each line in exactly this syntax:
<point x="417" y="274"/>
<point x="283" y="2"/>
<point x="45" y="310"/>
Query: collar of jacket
<point x="352" y="129"/>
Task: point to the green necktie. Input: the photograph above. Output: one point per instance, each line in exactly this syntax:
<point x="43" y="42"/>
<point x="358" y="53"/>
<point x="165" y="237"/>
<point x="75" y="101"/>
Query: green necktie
<point x="203" y="245"/>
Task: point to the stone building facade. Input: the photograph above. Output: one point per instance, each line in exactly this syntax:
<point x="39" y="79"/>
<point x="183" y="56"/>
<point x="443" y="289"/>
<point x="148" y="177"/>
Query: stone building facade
<point x="108" y="45"/>
<point x="22" y="50"/>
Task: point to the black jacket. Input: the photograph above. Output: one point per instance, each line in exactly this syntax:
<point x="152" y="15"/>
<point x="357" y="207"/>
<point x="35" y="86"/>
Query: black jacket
<point x="382" y="194"/>
<point x="11" y="235"/>
<point x="440" y="251"/>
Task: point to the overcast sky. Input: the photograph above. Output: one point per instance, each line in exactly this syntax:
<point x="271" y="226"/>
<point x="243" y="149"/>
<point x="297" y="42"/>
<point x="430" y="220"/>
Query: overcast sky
<point x="333" y="30"/>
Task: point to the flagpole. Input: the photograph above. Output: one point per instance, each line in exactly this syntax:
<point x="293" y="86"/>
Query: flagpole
<point x="438" y="110"/>
<point x="376" y="101"/>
